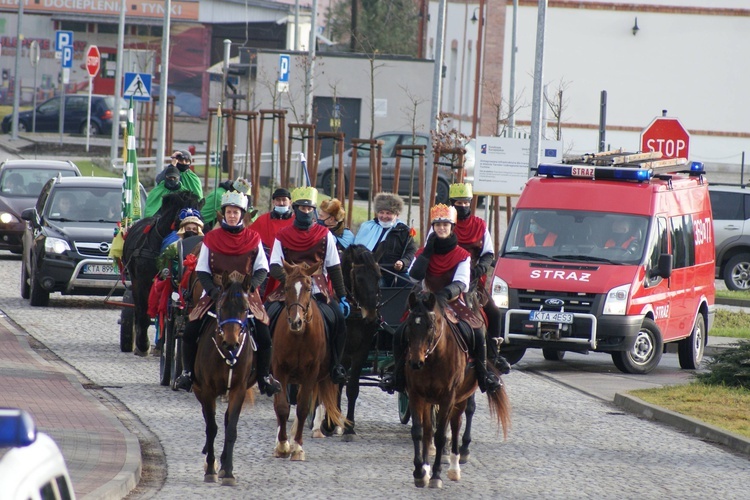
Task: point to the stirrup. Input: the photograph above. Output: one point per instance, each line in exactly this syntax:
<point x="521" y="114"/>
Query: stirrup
<point x="338" y="374"/>
<point x="501" y="364"/>
<point x="184" y="381"/>
<point x="269" y="385"/>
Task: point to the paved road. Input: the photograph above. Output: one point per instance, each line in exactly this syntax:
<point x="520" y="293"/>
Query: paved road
<point x="563" y="443"/>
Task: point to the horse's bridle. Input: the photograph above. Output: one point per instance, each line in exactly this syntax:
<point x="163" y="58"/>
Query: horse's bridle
<point x="305" y="309"/>
<point x="431" y="334"/>
<point x="231" y="358"/>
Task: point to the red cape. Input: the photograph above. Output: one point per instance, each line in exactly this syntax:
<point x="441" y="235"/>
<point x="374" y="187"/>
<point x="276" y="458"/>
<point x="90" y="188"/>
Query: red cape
<point x="227" y="243"/>
<point x="298" y="239"/>
<point x="267" y="227"/>
<point x="470" y="230"/>
<point x="442" y="263"/>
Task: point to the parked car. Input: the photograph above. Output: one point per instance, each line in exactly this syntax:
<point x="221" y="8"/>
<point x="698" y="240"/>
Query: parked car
<point x="390" y="141"/>
<point x="731" y="213"/>
<point x="76" y="109"/>
<point x="21" y="181"/>
<point x="68" y="236"/>
<point x="31" y="464"/>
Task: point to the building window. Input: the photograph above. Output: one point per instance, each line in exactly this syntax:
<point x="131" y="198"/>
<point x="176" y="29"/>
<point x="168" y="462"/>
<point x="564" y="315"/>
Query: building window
<point x="155" y="31"/>
<point x="73" y="26"/>
<point x="107" y="28"/>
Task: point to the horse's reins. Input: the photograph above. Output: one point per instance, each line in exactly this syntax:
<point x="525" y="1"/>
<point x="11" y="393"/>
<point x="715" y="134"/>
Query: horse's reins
<point x="231" y="360"/>
<point x="305" y="310"/>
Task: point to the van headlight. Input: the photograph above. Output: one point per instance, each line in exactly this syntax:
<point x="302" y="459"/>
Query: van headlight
<point x="55" y="245"/>
<point x="617" y="300"/>
<point x="500" y="292"/>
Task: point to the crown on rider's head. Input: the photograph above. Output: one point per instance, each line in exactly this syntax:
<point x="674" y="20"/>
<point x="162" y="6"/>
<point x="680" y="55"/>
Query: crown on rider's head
<point x="443" y="213"/>
<point x="305" y="195"/>
<point x="242" y="185"/>
<point x="235" y="199"/>
<point x="460" y="190"/>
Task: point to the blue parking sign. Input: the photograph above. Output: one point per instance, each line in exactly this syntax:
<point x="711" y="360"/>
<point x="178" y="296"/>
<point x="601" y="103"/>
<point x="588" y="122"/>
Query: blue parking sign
<point x="67" y="56"/>
<point x="284" y="63"/>
<point x="63" y="39"/>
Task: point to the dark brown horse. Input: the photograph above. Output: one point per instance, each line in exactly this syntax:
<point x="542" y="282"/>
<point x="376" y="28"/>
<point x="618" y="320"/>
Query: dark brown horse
<point x="142" y="246"/>
<point x="300" y="356"/>
<point x="223" y="366"/>
<point x="436" y="374"/>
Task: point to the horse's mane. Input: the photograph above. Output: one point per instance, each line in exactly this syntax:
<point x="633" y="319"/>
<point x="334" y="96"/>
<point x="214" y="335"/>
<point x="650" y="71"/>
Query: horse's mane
<point x="174" y="202"/>
<point x="235" y="299"/>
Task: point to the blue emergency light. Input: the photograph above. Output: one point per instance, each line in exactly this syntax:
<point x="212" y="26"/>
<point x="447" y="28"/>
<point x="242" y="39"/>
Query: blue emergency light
<point x="696" y="166"/>
<point x="591" y="172"/>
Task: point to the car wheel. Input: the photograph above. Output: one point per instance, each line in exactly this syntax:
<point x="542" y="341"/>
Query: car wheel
<point x="325" y="184"/>
<point x="690" y="350"/>
<point x="23" y="127"/>
<point x="512" y="354"/>
<point x="94" y="129"/>
<point x="737" y="272"/>
<point x="552" y="354"/>
<point x="38" y="296"/>
<point x="25" y="288"/>
<point x="645" y="354"/>
<point x="442" y="192"/>
<point x="363" y="195"/>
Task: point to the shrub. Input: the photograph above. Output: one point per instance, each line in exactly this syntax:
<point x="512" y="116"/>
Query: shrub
<point x="730" y="367"/>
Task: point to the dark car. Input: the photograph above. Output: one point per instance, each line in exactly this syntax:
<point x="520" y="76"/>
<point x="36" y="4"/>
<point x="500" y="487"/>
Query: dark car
<point x="390" y="141"/>
<point x="21" y="181"/>
<point x="730" y="207"/>
<point x="76" y="110"/>
<point x="68" y="236"/>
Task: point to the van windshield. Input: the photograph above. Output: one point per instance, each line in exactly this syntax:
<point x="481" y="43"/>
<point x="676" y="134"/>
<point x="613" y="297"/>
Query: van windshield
<point x="576" y="236"/>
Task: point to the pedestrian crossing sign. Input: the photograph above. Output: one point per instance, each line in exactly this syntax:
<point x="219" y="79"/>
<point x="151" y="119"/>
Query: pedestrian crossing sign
<point x="137" y="86"/>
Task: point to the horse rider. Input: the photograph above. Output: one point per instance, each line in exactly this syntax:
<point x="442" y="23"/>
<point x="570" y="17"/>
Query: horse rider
<point x="444" y="269"/>
<point x="331" y="214"/>
<point x="213" y="199"/>
<point x="309" y="242"/>
<point x="388" y="235"/>
<point x="177" y="177"/>
<point x="181" y="159"/>
<point x="474" y="237"/>
<point x="232" y="248"/>
<point x="270" y="223"/>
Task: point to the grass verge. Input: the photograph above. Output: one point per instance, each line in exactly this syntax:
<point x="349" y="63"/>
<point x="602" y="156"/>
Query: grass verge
<point x="731" y="324"/>
<point x="730" y="294"/>
<point x="725" y="407"/>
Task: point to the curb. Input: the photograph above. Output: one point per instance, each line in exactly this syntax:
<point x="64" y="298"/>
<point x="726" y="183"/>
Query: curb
<point x="732" y="302"/>
<point x="684" y="423"/>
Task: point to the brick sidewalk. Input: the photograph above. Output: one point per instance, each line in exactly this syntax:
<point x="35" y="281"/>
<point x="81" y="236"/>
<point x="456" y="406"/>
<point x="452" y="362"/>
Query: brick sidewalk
<point x="103" y="457"/>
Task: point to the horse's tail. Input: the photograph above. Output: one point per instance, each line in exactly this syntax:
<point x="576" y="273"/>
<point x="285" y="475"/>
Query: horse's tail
<point x="328" y="395"/>
<point x="500" y="409"/>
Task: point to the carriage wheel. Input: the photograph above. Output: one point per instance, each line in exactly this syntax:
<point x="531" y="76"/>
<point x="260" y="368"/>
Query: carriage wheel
<point x="404" y="413"/>
<point x="176" y="363"/>
<point x="167" y="351"/>
<point x="127" y="323"/>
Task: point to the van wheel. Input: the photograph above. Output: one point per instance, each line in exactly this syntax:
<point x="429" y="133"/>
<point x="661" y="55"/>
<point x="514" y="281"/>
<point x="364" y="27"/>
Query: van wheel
<point x="645" y="354"/>
<point x="38" y="296"/>
<point x="553" y="354"/>
<point x="690" y="350"/>
<point x="737" y="272"/>
<point x="512" y="354"/>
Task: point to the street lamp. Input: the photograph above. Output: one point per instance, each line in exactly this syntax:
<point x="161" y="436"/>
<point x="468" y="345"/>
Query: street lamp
<point x="474" y="17"/>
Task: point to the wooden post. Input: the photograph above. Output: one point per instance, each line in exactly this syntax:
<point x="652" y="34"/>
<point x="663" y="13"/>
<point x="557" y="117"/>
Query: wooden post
<point x="307" y="136"/>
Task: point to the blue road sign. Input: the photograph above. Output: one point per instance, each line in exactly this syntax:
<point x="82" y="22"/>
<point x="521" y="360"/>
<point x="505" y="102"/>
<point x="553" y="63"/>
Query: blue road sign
<point x="67" y="56"/>
<point x="284" y="61"/>
<point x="63" y="39"/>
<point x="137" y="86"/>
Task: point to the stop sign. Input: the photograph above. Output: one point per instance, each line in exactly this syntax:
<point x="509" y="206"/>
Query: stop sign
<point x="93" y="60"/>
<point x="666" y="135"/>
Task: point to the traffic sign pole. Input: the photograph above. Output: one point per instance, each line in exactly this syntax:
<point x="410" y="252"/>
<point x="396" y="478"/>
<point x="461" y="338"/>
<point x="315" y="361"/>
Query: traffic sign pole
<point x="92" y="66"/>
<point x="66" y="61"/>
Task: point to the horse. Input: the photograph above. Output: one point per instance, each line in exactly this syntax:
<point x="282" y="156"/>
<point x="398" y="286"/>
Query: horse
<point x="142" y="246"/>
<point x="361" y="277"/>
<point x="223" y="366"/>
<point x="301" y="356"/>
<point x="436" y="374"/>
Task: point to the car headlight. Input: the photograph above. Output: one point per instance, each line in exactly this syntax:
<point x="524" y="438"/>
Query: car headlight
<point x="7" y="218"/>
<point x="617" y="300"/>
<point x="500" y="292"/>
<point x="56" y="245"/>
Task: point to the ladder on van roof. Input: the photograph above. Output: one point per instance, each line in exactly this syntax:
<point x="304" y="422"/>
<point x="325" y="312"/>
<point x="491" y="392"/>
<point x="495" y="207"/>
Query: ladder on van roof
<point x="620" y="158"/>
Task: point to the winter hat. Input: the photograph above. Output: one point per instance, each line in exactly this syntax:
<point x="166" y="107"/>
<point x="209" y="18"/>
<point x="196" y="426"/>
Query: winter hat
<point x="388" y="201"/>
<point x="281" y="193"/>
<point x="333" y="207"/>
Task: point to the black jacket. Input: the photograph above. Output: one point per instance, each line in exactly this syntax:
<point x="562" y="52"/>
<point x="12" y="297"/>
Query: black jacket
<point x="397" y="245"/>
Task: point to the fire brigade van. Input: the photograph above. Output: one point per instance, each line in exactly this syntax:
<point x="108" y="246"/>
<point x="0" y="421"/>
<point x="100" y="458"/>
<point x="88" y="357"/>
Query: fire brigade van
<point x="611" y="252"/>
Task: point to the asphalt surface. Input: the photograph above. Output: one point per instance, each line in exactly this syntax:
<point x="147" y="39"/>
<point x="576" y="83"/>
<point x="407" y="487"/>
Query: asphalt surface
<point x="99" y="435"/>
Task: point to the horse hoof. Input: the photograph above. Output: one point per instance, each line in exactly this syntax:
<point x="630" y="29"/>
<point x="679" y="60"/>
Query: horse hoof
<point x="138" y="352"/>
<point x="318" y="434"/>
<point x="436" y="483"/>
<point x="420" y="483"/>
<point x="229" y="481"/>
<point x="210" y="478"/>
<point x="281" y="453"/>
<point x="350" y="437"/>
<point x="298" y="456"/>
<point x="464" y="458"/>
<point x="454" y="474"/>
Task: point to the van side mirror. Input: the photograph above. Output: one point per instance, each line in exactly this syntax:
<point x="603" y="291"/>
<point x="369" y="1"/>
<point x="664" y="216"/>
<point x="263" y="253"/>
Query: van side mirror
<point x="664" y="266"/>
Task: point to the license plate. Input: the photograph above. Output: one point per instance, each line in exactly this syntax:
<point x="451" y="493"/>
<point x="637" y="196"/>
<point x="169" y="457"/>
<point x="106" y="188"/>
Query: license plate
<point x="551" y="317"/>
<point x="99" y="269"/>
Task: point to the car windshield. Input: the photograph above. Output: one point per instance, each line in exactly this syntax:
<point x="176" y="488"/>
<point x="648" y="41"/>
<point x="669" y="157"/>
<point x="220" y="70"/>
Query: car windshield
<point x="28" y="182"/>
<point x="85" y="204"/>
<point x="576" y="236"/>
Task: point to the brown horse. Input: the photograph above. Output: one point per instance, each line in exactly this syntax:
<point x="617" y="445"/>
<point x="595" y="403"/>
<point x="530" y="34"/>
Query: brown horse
<point x="436" y="374"/>
<point x="300" y="356"/>
<point x="223" y="366"/>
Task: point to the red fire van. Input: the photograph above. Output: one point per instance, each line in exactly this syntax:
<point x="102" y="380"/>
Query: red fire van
<point x="612" y="252"/>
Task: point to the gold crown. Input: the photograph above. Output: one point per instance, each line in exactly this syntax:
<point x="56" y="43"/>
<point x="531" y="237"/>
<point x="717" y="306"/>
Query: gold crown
<point x="460" y="191"/>
<point x="306" y="195"/>
<point x="443" y="213"/>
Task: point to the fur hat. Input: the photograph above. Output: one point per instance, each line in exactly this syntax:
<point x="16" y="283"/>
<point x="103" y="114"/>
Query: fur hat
<point x="388" y="201"/>
<point x="191" y="219"/>
<point x="333" y="207"/>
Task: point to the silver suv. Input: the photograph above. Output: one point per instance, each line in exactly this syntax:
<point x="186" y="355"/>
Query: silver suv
<point x="731" y="212"/>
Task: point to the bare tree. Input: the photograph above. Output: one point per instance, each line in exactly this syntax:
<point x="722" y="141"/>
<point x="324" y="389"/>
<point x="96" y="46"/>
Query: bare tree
<point x="557" y="104"/>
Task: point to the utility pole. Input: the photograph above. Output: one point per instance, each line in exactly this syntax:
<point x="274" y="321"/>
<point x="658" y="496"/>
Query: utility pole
<point x="163" y="84"/>
<point x="537" y="101"/>
<point x="118" y="83"/>
<point x="16" y="79"/>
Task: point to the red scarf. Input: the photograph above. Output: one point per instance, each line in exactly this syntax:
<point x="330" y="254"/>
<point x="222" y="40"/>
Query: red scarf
<point x="442" y="263"/>
<point x="224" y="242"/>
<point x="470" y="230"/>
<point x="298" y="239"/>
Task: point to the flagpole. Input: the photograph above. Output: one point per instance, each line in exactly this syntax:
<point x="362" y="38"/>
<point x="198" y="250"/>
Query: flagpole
<point x="219" y="150"/>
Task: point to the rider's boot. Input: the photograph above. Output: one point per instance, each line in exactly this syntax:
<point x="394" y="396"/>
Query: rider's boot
<point x="189" y="351"/>
<point x="496" y="358"/>
<point x="336" y="344"/>
<point x="396" y="381"/>
<point x="487" y="379"/>
<point x="266" y="383"/>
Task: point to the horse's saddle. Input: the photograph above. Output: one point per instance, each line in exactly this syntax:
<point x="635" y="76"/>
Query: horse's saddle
<point x="201" y="308"/>
<point x="458" y="310"/>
